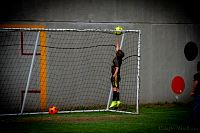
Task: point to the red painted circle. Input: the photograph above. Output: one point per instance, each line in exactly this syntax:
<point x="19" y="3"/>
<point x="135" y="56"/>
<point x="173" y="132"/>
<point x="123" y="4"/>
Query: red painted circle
<point x="178" y="85"/>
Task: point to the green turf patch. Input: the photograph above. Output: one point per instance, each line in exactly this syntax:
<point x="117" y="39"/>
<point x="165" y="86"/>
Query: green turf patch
<point x="152" y="118"/>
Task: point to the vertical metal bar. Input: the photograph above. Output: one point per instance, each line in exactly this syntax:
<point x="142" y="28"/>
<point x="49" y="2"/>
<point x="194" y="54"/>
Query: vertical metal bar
<point x="122" y="40"/>
<point x="109" y="98"/>
<point x="138" y="74"/>
<point x="30" y="72"/>
<point x="110" y="94"/>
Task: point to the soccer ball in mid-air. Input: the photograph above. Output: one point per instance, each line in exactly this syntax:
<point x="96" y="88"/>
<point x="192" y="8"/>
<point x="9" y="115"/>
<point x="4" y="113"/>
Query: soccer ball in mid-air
<point x="118" y="30"/>
<point x="53" y="110"/>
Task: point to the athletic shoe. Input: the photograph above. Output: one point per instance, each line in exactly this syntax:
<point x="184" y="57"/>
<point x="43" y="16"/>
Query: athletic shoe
<point x="118" y="103"/>
<point x="113" y="104"/>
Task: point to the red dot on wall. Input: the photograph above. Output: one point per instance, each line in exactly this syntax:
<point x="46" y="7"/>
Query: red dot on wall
<point x="178" y="85"/>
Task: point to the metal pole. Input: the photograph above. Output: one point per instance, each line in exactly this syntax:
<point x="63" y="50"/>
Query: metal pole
<point x="30" y="72"/>
<point x="138" y="74"/>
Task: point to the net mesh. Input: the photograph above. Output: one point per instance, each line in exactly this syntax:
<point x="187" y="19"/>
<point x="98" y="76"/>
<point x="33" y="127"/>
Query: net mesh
<point x="77" y="70"/>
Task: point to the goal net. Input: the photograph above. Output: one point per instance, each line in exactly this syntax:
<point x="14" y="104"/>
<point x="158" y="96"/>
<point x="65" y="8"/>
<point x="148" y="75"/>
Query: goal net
<point x="66" y="68"/>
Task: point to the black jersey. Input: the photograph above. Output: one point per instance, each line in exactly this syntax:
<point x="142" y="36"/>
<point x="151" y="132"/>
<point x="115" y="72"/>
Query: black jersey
<point x="197" y="78"/>
<point x="116" y="63"/>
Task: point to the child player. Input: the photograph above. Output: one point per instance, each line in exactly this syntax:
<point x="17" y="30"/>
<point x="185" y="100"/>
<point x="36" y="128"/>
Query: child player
<point x="115" y="70"/>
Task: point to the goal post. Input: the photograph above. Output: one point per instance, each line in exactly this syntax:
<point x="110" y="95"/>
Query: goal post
<point x="67" y="68"/>
<point x="30" y="72"/>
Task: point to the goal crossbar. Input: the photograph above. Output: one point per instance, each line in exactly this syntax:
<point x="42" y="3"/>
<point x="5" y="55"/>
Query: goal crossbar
<point x="64" y="30"/>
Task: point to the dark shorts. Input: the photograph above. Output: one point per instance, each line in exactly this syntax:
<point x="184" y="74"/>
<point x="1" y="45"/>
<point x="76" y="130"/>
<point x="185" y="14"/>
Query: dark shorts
<point x="115" y="81"/>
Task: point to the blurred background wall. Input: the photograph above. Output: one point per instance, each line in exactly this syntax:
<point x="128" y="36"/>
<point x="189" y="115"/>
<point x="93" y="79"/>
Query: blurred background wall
<point x="166" y="25"/>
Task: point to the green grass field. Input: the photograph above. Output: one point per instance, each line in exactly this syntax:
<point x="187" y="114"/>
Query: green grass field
<point x="152" y="118"/>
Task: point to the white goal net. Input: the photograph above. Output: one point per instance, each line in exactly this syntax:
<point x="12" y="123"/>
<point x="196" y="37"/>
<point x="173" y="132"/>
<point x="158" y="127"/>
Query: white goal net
<point x="67" y="68"/>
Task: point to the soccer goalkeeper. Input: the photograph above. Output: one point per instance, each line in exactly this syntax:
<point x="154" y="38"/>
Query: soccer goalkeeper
<point x="115" y="70"/>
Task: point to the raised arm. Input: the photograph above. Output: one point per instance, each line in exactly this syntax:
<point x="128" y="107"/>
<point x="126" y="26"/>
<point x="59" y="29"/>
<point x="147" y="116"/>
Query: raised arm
<point x="117" y="44"/>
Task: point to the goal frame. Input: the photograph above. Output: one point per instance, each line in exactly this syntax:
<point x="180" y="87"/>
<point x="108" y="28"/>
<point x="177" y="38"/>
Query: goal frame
<point x="38" y="30"/>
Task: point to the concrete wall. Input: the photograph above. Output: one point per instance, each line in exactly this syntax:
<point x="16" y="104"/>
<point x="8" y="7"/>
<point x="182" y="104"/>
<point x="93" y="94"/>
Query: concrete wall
<point x="101" y="11"/>
<point x="167" y="26"/>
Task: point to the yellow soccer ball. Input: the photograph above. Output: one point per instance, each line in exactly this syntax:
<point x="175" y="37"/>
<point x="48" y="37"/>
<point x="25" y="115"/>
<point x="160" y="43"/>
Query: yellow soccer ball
<point x="118" y="30"/>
